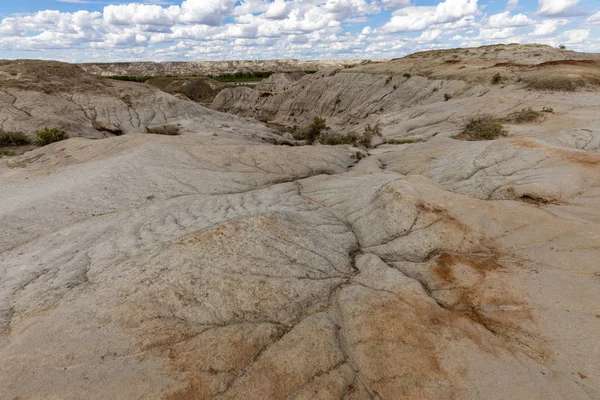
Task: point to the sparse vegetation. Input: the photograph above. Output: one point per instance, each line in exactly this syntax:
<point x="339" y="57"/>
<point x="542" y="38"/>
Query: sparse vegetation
<point x="562" y="47"/>
<point x="48" y="136"/>
<point x="7" y="153"/>
<point x="447" y="96"/>
<point x="368" y="134"/>
<point x="312" y="132"/>
<point x="524" y="116"/>
<point x="13" y="139"/>
<point x="548" y="110"/>
<point x="318" y="132"/>
<point x="403" y="141"/>
<point x="169" y="130"/>
<point x="496" y="79"/>
<point x="482" y="127"/>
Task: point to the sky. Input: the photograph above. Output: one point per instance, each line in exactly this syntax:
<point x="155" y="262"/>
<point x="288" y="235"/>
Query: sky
<point x="199" y="30"/>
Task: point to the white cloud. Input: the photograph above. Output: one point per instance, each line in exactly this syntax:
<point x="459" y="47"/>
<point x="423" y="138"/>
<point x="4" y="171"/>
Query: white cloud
<point x="420" y="18"/>
<point x="205" y="12"/>
<point x="512" y="4"/>
<point x="556" y="7"/>
<point x="575" y="36"/>
<point x="141" y="14"/>
<point x="506" y="20"/>
<point x="594" y="19"/>
<point x="306" y="29"/>
<point x="548" y="27"/>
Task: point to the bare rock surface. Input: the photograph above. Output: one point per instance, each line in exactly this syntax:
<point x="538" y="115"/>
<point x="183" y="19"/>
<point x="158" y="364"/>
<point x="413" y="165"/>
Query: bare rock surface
<point x="224" y="267"/>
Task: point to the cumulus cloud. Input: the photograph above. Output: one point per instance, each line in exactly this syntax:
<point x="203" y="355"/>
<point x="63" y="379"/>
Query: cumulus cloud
<point x="141" y="14"/>
<point x="423" y="17"/>
<point x="227" y="29"/>
<point x="557" y="7"/>
<point x="548" y="27"/>
<point x="575" y="36"/>
<point x="506" y="20"/>
<point x="206" y="12"/>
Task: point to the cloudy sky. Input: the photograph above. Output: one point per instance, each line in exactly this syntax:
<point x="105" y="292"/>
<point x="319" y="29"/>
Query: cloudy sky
<point x="160" y="30"/>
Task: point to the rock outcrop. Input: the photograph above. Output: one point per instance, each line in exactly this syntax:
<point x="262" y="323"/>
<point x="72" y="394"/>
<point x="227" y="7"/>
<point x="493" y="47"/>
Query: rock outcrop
<point x="196" y="266"/>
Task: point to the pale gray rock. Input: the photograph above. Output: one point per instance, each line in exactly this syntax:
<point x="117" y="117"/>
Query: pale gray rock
<point x="226" y="267"/>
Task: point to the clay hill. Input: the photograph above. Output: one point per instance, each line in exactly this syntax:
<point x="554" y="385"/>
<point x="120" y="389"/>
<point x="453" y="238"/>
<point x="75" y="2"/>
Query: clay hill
<point x="423" y="228"/>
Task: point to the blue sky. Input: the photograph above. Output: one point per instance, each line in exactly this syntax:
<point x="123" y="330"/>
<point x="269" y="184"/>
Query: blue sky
<point x="96" y="30"/>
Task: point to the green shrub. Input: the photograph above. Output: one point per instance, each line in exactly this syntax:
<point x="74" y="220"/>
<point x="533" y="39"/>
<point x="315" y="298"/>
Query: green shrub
<point x="562" y="47"/>
<point x="312" y="132"/>
<point x="525" y="115"/>
<point x="369" y="133"/>
<point x="13" y="139"/>
<point x="482" y="127"/>
<point x="53" y="135"/>
<point x="548" y="110"/>
<point x="496" y="79"/>
<point x="169" y="130"/>
<point x="334" y="139"/>
<point x="447" y="96"/>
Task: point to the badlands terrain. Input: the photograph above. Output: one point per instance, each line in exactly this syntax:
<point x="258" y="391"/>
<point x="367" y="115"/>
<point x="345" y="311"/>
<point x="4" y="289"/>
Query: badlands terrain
<point x="236" y="261"/>
<point x="213" y="67"/>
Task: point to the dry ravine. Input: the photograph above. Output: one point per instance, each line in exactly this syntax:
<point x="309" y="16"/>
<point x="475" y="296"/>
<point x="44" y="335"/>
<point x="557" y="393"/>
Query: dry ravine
<point x="232" y="261"/>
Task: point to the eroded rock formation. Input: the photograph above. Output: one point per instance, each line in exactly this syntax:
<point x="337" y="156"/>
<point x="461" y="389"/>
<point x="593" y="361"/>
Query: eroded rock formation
<point x="225" y="267"/>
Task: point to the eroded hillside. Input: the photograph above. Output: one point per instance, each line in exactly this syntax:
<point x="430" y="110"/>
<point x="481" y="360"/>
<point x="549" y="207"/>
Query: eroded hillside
<point x="207" y="68"/>
<point x="216" y="265"/>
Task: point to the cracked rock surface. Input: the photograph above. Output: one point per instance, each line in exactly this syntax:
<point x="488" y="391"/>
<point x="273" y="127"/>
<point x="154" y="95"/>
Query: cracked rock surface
<point x="223" y="267"/>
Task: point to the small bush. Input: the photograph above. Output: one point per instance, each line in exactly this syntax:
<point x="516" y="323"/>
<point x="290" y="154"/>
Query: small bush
<point x="13" y="139"/>
<point x="407" y="75"/>
<point x="169" y="130"/>
<point x="334" y="139"/>
<point x="48" y="136"/>
<point x="482" y="127"/>
<point x="525" y="115"/>
<point x="317" y="131"/>
<point x="496" y="79"/>
<point x="369" y="133"/>
<point x="548" y="110"/>
<point x="562" y="47"/>
<point x="312" y="132"/>
<point x="447" y="96"/>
